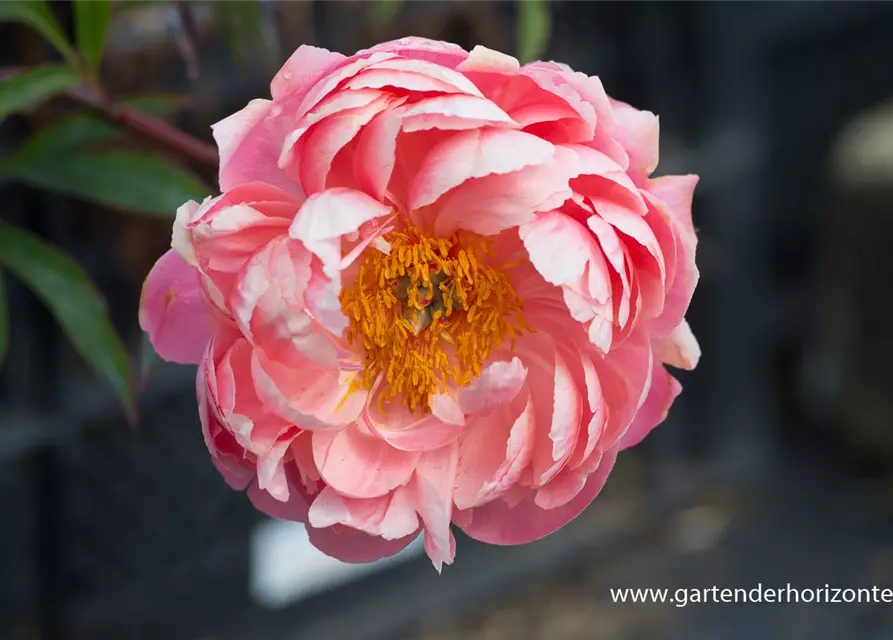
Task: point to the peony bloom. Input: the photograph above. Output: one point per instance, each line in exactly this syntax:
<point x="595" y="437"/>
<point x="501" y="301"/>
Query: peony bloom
<point x="438" y="288"/>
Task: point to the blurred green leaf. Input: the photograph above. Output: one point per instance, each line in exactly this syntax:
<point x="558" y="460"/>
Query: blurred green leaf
<point x="4" y="321"/>
<point x="74" y="301"/>
<point x="113" y="177"/>
<point x="244" y="25"/>
<point x="383" y="11"/>
<point x="91" y="20"/>
<point x="533" y="28"/>
<point x="31" y="87"/>
<point x="36" y="14"/>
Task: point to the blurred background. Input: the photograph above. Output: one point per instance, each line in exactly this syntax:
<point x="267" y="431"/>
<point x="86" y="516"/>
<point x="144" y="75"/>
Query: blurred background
<point x="773" y="468"/>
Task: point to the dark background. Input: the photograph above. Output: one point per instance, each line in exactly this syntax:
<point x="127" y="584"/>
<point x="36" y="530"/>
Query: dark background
<point x="773" y="468"/>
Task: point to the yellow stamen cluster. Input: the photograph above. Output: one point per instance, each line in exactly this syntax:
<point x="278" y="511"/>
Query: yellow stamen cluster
<point x="427" y="312"/>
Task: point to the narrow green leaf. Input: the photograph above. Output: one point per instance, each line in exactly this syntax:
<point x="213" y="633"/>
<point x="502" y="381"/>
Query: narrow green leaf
<point x="383" y="11"/>
<point x="37" y="15"/>
<point x="533" y="28"/>
<point x="4" y="321"/>
<point x="30" y="88"/>
<point x="243" y="22"/>
<point x="117" y="178"/>
<point x="91" y="21"/>
<point x="74" y="301"/>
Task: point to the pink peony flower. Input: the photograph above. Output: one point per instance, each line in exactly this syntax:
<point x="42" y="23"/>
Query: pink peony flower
<point x="439" y="288"/>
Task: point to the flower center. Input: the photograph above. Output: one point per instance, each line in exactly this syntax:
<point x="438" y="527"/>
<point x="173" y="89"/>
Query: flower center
<point x="429" y="311"/>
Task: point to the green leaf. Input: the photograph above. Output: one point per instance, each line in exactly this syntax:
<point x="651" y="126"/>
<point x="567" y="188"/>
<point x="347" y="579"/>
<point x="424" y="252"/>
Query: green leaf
<point x="4" y="321"/>
<point x="113" y="177"/>
<point x="533" y="27"/>
<point x="383" y="11"/>
<point x="243" y="22"/>
<point x="37" y="15"/>
<point x="30" y="88"/>
<point x="74" y="301"/>
<point x="91" y="21"/>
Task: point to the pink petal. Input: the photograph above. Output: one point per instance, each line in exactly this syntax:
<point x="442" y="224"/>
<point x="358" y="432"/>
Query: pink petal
<point x="330" y="214"/>
<point x="173" y="312"/>
<point x="499" y="523"/>
<point x="360" y="466"/>
<point x="413" y="75"/>
<point x="443" y="53"/>
<point x="249" y="142"/>
<point x="312" y="398"/>
<point x="677" y="192"/>
<point x="680" y="349"/>
<point x="305" y="66"/>
<point x="376" y="153"/>
<point x="664" y="389"/>
<point x="406" y="430"/>
<point x="499" y="384"/>
<point x="486" y="467"/>
<point x="482" y="59"/>
<point x="293" y="509"/>
<point x="390" y="517"/>
<point x="638" y="132"/>
<point x="475" y="154"/>
<point x="432" y="489"/>
<point x="330" y="81"/>
<point x="455" y="112"/>
<point x="348" y="545"/>
<point x="494" y="203"/>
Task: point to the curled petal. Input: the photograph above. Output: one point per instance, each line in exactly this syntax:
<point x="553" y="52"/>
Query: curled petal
<point x="305" y="66"/>
<point x="499" y="523"/>
<point x="663" y="391"/>
<point x="173" y="312"/>
<point x="680" y="349"/>
<point x="433" y="496"/>
<point x="390" y="517"/>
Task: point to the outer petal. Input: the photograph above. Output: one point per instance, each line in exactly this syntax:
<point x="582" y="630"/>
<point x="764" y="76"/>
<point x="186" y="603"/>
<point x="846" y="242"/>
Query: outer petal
<point x="499" y="523"/>
<point x="390" y="516"/>
<point x="680" y="349"/>
<point x="443" y="53"/>
<point x="664" y="389"/>
<point x="173" y="312"/>
<point x="638" y="132"/>
<point x="433" y="495"/>
<point x="305" y="66"/>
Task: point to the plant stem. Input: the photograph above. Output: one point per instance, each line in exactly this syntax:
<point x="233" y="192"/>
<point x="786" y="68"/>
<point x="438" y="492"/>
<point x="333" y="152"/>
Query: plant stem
<point x="155" y="130"/>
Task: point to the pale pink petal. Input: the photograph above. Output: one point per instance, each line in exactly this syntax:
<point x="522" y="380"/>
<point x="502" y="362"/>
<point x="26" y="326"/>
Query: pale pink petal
<point x="330" y="81"/>
<point x="312" y="398"/>
<point x="390" y="517"/>
<point x="305" y="66"/>
<point x="406" y="430"/>
<point x="499" y="384"/>
<point x="443" y="53"/>
<point x="487" y="467"/>
<point x="330" y="214"/>
<point x="445" y="407"/>
<point x="475" y="154"/>
<point x="677" y="192"/>
<point x="680" y="348"/>
<point x="497" y="202"/>
<point x="271" y="465"/>
<point x="360" y="466"/>
<point x="249" y="142"/>
<point x="376" y="153"/>
<point x="664" y="389"/>
<point x="173" y="312"/>
<point x="432" y="489"/>
<point x="181" y="237"/>
<point x="454" y="112"/>
<point x="487" y="60"/>
<point x="413" y="75"/>
<point x="499" y="523"/>
<point x="638" y="132"/>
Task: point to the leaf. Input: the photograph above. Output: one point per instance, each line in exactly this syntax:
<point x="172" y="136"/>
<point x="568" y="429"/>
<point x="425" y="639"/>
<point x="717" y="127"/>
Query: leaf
<point x="533" y="27"/>
<point x="4" y="321"/>
<point x="37" y="15"/>
<point x="383" y="11"/>
<point x="30" y="88"/>
<point x="74" y="301"/>
<point x="114" y="177"/>
<point x="91" y="20"/>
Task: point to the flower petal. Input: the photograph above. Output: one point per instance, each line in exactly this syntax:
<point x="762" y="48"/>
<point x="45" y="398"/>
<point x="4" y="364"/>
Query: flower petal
<point x="499" y="523"/>
<point x="664" y="389"/>
<point x="305" y="66"/>
<point x="390" y="516"/>
<point x="432" y="489"/>
<point x="173" y="312"/>
<point x="361" y="466"/>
